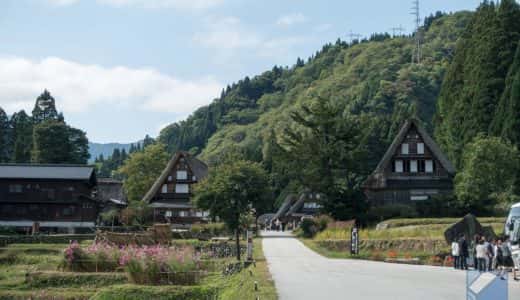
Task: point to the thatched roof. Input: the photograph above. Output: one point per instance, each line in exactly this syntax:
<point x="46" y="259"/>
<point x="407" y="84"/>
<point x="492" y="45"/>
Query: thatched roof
<point x="377" y="176"/>
<point x="197" y="167"/>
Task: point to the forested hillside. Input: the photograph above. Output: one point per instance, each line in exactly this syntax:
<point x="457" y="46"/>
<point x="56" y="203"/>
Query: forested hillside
<point x="480" y="93"/>
<point x="373" y="80"/>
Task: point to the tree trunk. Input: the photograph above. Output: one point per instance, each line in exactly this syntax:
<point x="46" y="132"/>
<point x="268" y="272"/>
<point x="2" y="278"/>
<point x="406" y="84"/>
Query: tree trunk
<point x="237" y="233"/>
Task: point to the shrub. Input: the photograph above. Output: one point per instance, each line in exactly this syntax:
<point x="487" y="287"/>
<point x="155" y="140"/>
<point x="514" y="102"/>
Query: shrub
<point x="309" y="228"/>
<point x="323" y="221"/>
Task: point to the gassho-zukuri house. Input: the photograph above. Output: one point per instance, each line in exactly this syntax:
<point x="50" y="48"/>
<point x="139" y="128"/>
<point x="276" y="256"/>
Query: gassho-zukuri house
<point x="413" y="169"/>
<point x="170" y="195"/>
<point x="58" y="198"/>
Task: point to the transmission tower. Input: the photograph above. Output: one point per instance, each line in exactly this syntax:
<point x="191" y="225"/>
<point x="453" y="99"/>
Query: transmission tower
<point x="399" y="31"/>
<point x="416" y="57"/>
<point x="353" y="36"/>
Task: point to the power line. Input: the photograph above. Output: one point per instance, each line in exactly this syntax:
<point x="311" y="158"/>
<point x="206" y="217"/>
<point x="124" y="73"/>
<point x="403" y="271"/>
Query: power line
<point x="399" y="31"/>
<point x="416" y="57"/>
<point x="353" y="36"/>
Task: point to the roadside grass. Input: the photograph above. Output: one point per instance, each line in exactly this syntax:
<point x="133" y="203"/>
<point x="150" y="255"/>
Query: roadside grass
<point x="242" y="285"/>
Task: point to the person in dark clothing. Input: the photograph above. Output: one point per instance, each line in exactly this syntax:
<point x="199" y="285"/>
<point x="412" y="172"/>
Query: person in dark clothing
<point x="463" y="253"/>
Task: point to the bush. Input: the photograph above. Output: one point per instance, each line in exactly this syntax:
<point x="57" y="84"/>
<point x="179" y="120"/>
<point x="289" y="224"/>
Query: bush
<point x="309" y="228"/>
<point x="323" y="221"/>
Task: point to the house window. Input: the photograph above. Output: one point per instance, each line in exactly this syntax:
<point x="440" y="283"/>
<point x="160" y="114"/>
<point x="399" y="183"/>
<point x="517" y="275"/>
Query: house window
<point x="404" y="148"/>
<point x="182" y="188"/>
<point x="420" y="148"/>
<point x="413" y="166"/>
<point x="164" y="189"/>
<point x="68" y="211"/>
<point x="15" y="188"/>
<point x="398" y="166"/>
<point x="182" y="175"/>
<point x="170" y="178"/>
<point x="429" y="166"/>
<point x="183" y="213"/>
<point x="421" y="166"/>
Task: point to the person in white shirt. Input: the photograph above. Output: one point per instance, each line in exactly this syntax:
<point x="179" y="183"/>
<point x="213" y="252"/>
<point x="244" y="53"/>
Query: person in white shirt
<point x="481" y="253"/>
<point x="455" y="253"/>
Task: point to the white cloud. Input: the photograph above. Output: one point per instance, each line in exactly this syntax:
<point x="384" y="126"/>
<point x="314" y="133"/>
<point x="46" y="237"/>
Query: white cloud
<point x="62" y="2"/>
<point x="78" y="87"/>
<point x="226" y="36"/>
<point x="291" y="19"/>
<point x="193" y="5"/>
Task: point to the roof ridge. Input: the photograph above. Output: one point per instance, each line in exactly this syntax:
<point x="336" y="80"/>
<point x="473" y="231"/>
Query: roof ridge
<point x="44" y="165"/>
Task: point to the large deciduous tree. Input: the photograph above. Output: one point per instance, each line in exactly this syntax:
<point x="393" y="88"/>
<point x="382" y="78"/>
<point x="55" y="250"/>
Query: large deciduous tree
<point x="141" y="170"/>
<point x="231" y="190"/>
<point x="489" y="174"/>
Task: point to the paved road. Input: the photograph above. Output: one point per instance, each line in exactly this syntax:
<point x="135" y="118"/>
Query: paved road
<point x="299" y="274"/>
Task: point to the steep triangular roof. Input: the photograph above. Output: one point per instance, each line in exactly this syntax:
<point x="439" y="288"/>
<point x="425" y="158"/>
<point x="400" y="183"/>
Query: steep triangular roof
<point x="286" y="205"/>
<point x="428" y="141"/>
<point x="199" y="169"/>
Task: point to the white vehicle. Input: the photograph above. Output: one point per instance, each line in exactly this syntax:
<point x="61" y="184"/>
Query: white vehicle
<point x="515" y="243"/>
<point x="514" y="214"/>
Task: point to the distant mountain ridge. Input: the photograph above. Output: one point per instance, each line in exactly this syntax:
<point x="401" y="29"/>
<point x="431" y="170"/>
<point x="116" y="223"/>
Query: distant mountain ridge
<point x="96" y="149"/>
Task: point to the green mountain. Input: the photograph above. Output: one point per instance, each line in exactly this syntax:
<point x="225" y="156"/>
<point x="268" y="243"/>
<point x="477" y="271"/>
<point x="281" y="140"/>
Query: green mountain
<point x="373" y="79"/>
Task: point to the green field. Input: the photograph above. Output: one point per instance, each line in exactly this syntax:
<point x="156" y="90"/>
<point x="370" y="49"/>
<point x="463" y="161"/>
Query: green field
<point x="422" y="239"/>
<point x="31" y="271"/>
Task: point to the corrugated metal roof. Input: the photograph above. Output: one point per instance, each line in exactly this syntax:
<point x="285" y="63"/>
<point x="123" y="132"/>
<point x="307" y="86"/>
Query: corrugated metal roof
<point x="71" y="172"/>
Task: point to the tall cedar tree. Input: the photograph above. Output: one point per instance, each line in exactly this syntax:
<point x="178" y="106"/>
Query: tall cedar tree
<point x="5" y="137"/>
<point x="22" y="126"/>
<point x="507" y="119"/>
<point x="476" y="79"/>
<point x="324" y="150"/>
<point x="57" y="143"/>
<point x="45" y="108"/>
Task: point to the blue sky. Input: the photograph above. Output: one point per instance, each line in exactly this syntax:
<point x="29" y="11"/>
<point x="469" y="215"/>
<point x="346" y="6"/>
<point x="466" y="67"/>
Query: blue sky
<point x="120" y="69"/>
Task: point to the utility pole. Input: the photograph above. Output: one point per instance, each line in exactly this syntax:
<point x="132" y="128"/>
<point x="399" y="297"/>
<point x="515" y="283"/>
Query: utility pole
<point x="416" y="57"/>
<point x="353" y="36"/>
<point x="399" y="31"/>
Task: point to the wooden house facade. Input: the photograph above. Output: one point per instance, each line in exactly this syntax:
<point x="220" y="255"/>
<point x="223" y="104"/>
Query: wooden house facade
<point x="170" y="195"/>
<point x="56" y="197"/>
<point x="412" y="169"/>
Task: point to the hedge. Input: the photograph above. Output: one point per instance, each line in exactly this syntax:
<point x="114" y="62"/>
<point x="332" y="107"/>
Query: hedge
<point x="70" y="279"/>
<point x="137" y="292"/>
<point x="44" y="239"/>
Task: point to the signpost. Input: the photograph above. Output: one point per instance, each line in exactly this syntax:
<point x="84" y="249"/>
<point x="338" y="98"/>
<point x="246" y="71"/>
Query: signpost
<point x="249" y="245"/>
<point x="354" y="241"/>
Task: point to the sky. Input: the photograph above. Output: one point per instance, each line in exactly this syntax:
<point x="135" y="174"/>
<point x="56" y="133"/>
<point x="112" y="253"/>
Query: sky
<point x="120" y="69"/>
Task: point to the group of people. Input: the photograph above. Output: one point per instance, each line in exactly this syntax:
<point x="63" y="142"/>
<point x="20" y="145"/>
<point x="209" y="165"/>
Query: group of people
<point x="488" y="255"/>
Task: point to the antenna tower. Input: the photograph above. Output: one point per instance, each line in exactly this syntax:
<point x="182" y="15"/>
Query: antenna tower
<point x="416" y="57"/>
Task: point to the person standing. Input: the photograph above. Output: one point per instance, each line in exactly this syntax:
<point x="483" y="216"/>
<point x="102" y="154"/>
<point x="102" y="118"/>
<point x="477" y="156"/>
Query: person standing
<point x="507" y="259"/>
<point x="480" y="254"/>
<point x="455" y="253"/>
<point x="463" y="253"/>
